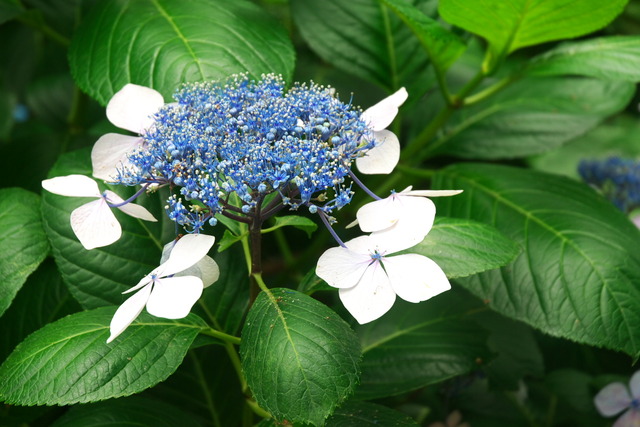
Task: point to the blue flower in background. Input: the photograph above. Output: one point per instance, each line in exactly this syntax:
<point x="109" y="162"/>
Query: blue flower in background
<point x="618" y="180"/>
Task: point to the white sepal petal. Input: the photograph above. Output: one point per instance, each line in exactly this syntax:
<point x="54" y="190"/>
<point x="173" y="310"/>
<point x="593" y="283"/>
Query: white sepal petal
<point x="133" y="106"/>
<point x="128" y="312"/>
<point x="95" y="225"/>
<point x="432" y="193"/>
<point x="187" y="252"/>
<point x="372" y="298"/>
<point x="631" y="418"/>
<point x="612" y="399"/>
<point x="130" y="209"/>
<point x="111" y="152"/>
<point x="634" y="385"/>
<point x="415" y="222"/>
<point x="173" y="297"/>
<point x="414" y="277"/>
<point x="378" y="215"/>
<point x="380" y="115"/>
<point x="72" y="186"/>
<point x="206" y="269"/>
<point x="382" y="158"/>
<point x="341" y="267"/>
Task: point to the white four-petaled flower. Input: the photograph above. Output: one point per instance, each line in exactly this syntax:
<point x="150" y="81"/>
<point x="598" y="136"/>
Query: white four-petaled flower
<point x="382" y="158"/>
<point x="615" y="398"/>
<point x="171" y="289"/>
<point x="131" y="108"/>
<point x="369" y="279"/>
<point x="93" y="223"/>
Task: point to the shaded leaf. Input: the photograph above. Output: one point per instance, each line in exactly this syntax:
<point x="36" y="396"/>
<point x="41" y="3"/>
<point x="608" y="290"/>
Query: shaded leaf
<point x="23" y="243"/>
<point x="415" y="345"/>
<point x="532" y="116"/>
<point x="42" y="299"/>
<point x="131" y="411"/>
<point x="366" y="40"/>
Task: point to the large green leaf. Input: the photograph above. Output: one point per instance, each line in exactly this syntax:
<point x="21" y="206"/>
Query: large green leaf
<point x="578" y="274"/>
<point x="511" y="24"/>
<point x="162" y="43"/>
<point x="414" y="345"/>
<point x="134" y="411"/>
<point x="465" y="247"/>
<point x="617" y="137"/>
<point x="42" y="299"/>
<point x="365" y="39"/>
<point x="532" y="116"/>
<point x="612" y="58"/>
<point x="23" y="243"/>
<point x="301" y="360"/>
<point x="99" y="276"/>
<point x="68" y="361"/>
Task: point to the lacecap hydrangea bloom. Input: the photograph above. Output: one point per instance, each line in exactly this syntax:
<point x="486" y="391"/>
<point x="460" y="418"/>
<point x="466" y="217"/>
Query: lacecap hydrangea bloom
<point x="239" y="148"/>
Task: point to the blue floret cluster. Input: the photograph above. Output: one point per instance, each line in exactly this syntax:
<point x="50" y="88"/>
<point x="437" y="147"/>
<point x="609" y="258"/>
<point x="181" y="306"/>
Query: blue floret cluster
<point x="226" y="146"/>
<point x="618" y="180"/>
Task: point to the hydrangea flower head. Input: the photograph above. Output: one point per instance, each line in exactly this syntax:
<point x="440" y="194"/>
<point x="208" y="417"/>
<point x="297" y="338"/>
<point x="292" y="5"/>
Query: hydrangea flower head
<point x="248" y="139"/>
<point x="616" y="397"/>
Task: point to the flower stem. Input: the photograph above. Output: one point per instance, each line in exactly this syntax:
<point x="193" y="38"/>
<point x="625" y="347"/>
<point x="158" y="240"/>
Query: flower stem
<point x="325" y="221"/>
<point x="255" y="239"/>
<point x="222" y="336"/>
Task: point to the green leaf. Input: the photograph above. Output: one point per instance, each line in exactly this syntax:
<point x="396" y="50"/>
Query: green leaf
<point x="300" y="222"/>
<point x="518" y="354"/>
<point x="131" y="411"/>
<point x="69" y="361"/>
<point x="98" y="277"/>
<point x="311" y="283"/>
<point x="362" y="414"/>
<point x="228" y="240"/>
<point x="609" y="58"/>
<point x="442" y="45"/>
<point x="23" y="243"/>
<point x="532" y="116"/>
<point x="162" y="43"/>
<point x="369" y="41"/>
<point x="510" y="25"/>
<point x="577" y="275"/>
<point x="301" y="360"/>
<point x="9" y="9"/>
<point x="415" y="345"/>
<point x="464" y="247"/>
<point x="225" y="302"/>
<point x="614" y="138"/>
<point x="206" y="385"/>
<point x="42" y="299"/>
